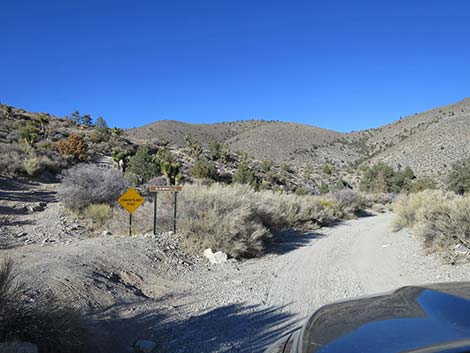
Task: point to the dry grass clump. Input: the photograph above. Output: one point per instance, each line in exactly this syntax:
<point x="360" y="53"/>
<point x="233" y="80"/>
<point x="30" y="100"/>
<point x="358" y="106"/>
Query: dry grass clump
<point x="99" y="213"/>
<point x="239" y="221"/>
<point x="44" y="321"/>
<point x="441" y="219"/>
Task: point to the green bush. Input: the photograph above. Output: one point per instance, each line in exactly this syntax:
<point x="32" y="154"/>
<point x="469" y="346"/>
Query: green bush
<point x="384" y="179"/>
<point x="145" y="163"/>
<point x="458" y="180"/>
<point x="203" y="169"/>
<point x="267" y="165"/>
<point x="29" y="133"/>
<point x="327" y="169"/>
<point x="245" y="175"/>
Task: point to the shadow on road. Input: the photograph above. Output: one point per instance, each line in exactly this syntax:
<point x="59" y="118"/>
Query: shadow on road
<point x="231" y="328"/>
<point x="289" y="240"/>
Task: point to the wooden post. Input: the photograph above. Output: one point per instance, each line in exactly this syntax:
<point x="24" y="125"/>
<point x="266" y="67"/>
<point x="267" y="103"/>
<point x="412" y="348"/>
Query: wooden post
<point x="155" y="213"/>
<point x="130" y="224"/>
<point x="174" y="213"/>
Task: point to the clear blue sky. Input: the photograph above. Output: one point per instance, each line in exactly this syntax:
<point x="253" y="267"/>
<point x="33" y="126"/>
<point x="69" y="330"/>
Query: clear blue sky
<point x="344" y="65"/>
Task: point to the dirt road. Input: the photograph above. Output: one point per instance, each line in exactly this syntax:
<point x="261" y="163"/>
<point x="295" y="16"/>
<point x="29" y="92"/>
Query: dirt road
<point x="260" y="300"/>
<point x="143" y="289"/>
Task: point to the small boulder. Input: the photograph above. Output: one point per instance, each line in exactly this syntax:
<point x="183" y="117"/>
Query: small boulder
<point x="106" y="232"/>
<point x="145" y="346"/>
<point x="215" y="258"/>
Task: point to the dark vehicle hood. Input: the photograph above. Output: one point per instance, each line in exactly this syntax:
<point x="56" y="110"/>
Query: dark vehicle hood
<point x="407" y="319"/>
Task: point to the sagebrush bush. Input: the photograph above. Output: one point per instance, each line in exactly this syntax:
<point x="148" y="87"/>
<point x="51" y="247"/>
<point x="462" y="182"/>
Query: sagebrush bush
<point x="46" y="322"/>
<point x="238" y="220"/>
<point x="99" y="213"/>
<point x="441" y="219"/>
<point x="87" y="184"/>
<point x="409" y="208"/>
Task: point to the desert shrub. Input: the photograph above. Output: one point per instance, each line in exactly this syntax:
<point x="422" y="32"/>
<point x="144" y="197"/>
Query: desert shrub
<point x="203" y="169"/>
<point x="145" y="163"/>
<point x="86" y="184"/>
<point x="221" y="219"/>
<point x="195" y="148"/>
<point x="327" y="169"/>
<point x="349" y="201"/>
<point x="267" y="165"/>
<point x="446" y="225"/>
<point x="11" y="161"/>
<point x="99" y="213"/>
<point x="32" y="167"/>
<point x="215" y="149"/>
<point x="74" y="146"/>
<point x="409" y="208"/>
<point x="382" y="178"/>
<point x="458" y="179"/>
<point x="45" y="321"/>
<point x="29" y="133"/>
<point x="245" y="175"/>
<point x="46" y="145"/>
<point x="423" y="184"/>
<point x="324" y="188"/>
<point x="239" y="221"/>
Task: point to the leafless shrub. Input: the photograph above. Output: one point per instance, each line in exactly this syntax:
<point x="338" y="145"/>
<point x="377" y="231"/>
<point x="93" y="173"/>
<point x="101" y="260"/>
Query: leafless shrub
<point x="86" y="184"/>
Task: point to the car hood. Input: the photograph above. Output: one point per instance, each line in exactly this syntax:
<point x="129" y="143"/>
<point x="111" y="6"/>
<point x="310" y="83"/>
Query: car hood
<point x="407" y="319"/>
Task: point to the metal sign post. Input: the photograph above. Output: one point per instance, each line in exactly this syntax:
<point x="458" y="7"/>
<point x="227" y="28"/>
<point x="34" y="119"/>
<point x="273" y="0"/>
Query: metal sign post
<point x="174" y="212"/>
<point x="168" y="188"/>
<point x="130" y="201"/>
<point x="155" y="213"/>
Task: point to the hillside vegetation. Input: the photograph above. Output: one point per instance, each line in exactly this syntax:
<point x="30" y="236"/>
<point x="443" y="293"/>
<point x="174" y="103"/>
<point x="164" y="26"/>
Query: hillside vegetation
<point x="428" y="142"/>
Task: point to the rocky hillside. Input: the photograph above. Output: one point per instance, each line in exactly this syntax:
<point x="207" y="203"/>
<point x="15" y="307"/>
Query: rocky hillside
<point x="274" y="140"/>
<point x="428" y="142"/>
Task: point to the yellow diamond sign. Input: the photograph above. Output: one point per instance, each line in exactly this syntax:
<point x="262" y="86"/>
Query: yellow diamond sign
<point x="131" y="200"/>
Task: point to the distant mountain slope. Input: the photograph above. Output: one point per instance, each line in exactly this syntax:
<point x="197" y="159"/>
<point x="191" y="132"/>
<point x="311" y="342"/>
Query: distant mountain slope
<point x="279" y="141"/>
<point x="428" y="142"/>
<point x="282" y="141"/>
<point x="175" y="131"/>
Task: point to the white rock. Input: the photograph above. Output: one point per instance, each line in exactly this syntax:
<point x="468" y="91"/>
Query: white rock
<point x="145" y="346"/>
<point x="215" y="258"/>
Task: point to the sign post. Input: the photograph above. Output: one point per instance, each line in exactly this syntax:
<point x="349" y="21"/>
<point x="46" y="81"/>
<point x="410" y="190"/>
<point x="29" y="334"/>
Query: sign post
<point x="130" y="201"/>
<point x="168" y="188"/>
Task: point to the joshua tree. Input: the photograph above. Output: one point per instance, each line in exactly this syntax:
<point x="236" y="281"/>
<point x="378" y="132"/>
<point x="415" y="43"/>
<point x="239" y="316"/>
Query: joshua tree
<point x="171" y="170"/>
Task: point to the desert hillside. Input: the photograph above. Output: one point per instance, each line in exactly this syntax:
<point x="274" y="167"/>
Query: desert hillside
<point x="428" y="142"/>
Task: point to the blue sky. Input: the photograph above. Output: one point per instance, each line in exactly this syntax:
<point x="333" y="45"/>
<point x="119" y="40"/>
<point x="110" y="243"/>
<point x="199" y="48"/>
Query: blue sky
<point x="343" y="65"/>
